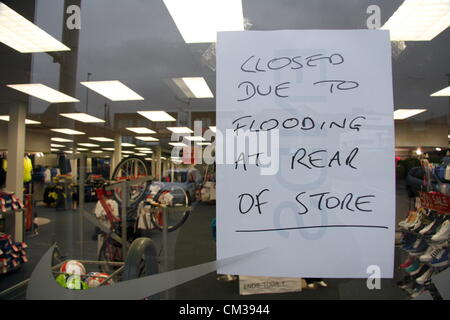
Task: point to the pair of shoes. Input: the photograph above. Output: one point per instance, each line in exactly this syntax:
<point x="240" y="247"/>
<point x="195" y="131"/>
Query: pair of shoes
<point x="431" y="228"/>
<point x="425" y="277"/>
<point x="440" y="258"/>
<point x="410" y="220"/>
<point x="419" y="247"/>
<point x="409" y="261"/>
<point x="443" y="233"/>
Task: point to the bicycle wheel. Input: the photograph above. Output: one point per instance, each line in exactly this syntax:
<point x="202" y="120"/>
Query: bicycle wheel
<point x="141" y="259"/>
<point x="132" y="168"/>
<point x="176" y="215"/>
<point x="111" y="251"/>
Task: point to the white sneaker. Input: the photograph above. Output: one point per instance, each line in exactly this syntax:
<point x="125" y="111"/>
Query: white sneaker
<point x="425" y="277"/>
<point x="428" y="227"/>
<point x="426" y="257"/>
<point x="443" y="233"/>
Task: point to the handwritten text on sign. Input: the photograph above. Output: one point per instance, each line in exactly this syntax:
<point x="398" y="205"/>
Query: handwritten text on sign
<point x="318" y="104"/>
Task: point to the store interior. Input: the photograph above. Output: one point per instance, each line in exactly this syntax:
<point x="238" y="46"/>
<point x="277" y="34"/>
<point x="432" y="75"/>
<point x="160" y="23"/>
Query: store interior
<point x="109" y="113"/>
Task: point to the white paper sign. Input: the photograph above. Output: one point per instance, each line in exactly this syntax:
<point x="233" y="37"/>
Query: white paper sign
<point x="315" y="188"/>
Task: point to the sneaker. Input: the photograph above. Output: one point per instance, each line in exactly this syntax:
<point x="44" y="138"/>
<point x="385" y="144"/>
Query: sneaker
<point x="411" y="216"/>
<point x="443" y="233"/>
<point x="419" y="269"/>
<point x="427" y="257"/>
<point x="419" y="249"/>
<point x="407" y="263"/>
<point x="425" y="277"/>
<point x="413" y="267"/>
<point x="434" y="227"/>
<point x="440" y="258"/>
<point x="410" y="244"/>
<point x="427" y="227"/>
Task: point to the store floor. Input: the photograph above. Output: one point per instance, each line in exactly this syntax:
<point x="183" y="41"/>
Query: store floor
<point x="192" y="244"/>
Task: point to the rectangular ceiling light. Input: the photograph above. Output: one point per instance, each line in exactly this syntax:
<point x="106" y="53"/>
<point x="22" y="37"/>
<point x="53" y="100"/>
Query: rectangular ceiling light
<point x="148" y="159"/>
<point x="24" y="36"/>
<point x="113" y="90"/>
<point x="401" y="114"/>
<point x="127" y="151"/>
<point x="101" y="139"/>
<point x="148" y="138"/>
<point x="199" y="21"/>
<point x="82" y="117"/>
<point x="442" y="93"/>
<point x="27" y="121"/>
<point x="87" y="144"/>
<point x="178" y="144"/>
<point x="212" y="128"/>
<point x="419" y="20"/>
<point x="43" y="92"/>
<point x="68" y="151"/>
<point x="180" y="129"/>
<point x="157" y="116"/>
<point x="82" y="149"/>
<point x="54" y="150"/>
<point x="141" y="130"/>
<point x="68" y="131"/>
<point x="97" y="151"/>
<point x="125" y="144"/>
<point x="54" y="145"/>
<point x="194" y="138"/>
<point x="143" y="149"/>
<point x="108" y="149"/>
<point x="140" y="154"/>
<point x="57" y="139"/>
<point x="194" y="87"/>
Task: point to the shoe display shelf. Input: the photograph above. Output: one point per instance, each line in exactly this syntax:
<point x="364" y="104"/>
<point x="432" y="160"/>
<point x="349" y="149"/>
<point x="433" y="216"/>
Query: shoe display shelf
<point x="425" y="237"/>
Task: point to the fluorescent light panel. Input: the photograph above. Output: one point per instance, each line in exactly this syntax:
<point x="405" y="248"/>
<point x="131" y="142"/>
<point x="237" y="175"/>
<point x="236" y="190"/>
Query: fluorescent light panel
<point x="157" y="116"/>
<point x="143" y="149"/>
<point x="140" y="154"/>
<point x="27" y="121"/>
<point x="442" y="93"/>
<point x="68" y="131"/>
<point x="141" y="130"/>
<point x="97" y="151"/>
<point x="126" y="144"/>
<point x="114" y="90"/>
<point x="82" y="117"/>
<point x="57" y="139"/>
<point x="87" y="144"/>
<point x="43" y="92"/>
<point x="24" y="36"/>
<point x="101" y="139"/>
<point x="199" y="21"/>
<point x="54" y="150"/>
<point x="194" y="138"/>
<point x="82" y="149"/>
<point x="178" y="144"/>
<point x="54" y="145"/>
<point x="180" y="129"/>
<point x="127" y="151"/>
<point x="148" y="139"/>
<point x="194" y="87"/>
<point x="108" y="149"/>
<point x="401" y="114"/>
<point x="419" y="20"/>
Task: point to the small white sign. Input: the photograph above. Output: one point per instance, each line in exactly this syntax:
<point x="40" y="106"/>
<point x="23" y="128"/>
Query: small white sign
<point x="313" y="181"/>
<point x="263" y="285"/>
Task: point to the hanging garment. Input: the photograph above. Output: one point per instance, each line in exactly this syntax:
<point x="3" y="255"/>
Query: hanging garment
<point x="27" y="169"/>
<point x="47" y="175"/>
<point x="101" y="214"/>
<point x="143" y="221"/>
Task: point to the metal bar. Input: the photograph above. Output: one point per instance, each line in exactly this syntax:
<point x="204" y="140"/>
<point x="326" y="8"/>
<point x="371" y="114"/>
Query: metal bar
<point x="165" y="247"/>
<point x="125" y="190"/>
<point x="112" y="276"/>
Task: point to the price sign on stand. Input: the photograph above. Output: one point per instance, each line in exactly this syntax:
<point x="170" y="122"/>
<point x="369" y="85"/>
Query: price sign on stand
<point x="305" y="153"/>
<point x="435" y="201"/>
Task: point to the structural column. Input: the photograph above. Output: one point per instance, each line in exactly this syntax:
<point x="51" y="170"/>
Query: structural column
<point x="117" y="155"/>
<point x="16" y="150"/>
<point x="157" y="160"/>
